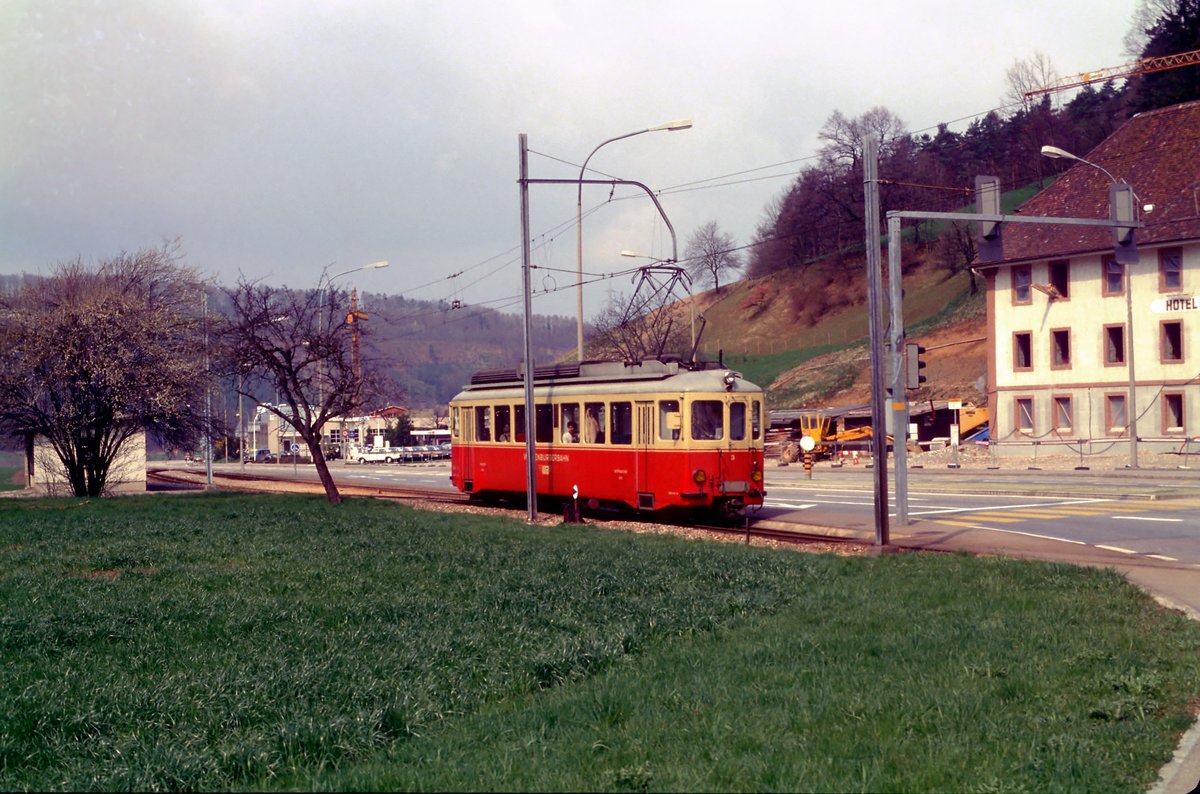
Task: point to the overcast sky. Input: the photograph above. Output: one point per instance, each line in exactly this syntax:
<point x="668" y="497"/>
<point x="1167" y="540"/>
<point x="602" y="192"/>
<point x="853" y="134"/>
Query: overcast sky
<point x="280" y="139"/>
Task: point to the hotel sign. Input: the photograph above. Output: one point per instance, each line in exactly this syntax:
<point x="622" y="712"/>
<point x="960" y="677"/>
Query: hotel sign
<point x="1175" y="303"/>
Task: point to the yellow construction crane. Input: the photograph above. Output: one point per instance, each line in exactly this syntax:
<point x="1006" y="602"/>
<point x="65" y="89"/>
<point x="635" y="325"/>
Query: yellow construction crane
<point x="352" y="317"/>
<point x="1140" y="66"/>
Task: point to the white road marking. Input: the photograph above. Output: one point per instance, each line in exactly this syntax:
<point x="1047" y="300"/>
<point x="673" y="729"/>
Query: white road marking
<point x="1116" y="548"/>
<point x="1146" y="518"/>
<point x="1035" y="535"/>
<point x="947" y="510"/>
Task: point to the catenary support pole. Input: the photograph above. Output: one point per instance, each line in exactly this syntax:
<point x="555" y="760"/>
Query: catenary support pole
<point x="530" y="454"/>
<point x="899" y="397"/>
<point x="874" y="290"/>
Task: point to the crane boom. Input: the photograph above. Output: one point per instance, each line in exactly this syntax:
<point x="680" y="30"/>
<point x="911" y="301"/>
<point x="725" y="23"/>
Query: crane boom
<point x="1141" y="66"/>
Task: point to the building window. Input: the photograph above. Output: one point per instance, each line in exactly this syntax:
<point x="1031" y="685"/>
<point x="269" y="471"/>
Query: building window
<point x="1114" y="345"/>
<point x="1024" y="407"/>
<point x="1060" y="278"/>
<point x="1170" y="270"/>
<point x="1172" y="341"/>
<point x="1114" y="413"/>
<point x="1114" y="277"/>
<point x="1060" y="348"/>
<point x="1022" y="350"/>
<point x="1064" y="417"/>
<point x="1172" y="409"/>
<point x="1022" y="278"/>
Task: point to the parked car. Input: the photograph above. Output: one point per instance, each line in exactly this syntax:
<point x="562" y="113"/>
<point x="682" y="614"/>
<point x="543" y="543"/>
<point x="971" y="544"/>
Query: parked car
<point x="260" y="456"/>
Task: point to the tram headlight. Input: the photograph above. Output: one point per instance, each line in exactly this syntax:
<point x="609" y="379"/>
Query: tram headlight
<point x="699" y="476"/>
<point x="728" y="379"/>
<point x="756" y="476"/>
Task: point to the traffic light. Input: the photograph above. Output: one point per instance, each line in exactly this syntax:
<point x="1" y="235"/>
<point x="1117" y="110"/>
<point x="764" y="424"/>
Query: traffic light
<point x="913" y="366"/>
<point x="1122" y="207"/>
<point x="987" y="202"/>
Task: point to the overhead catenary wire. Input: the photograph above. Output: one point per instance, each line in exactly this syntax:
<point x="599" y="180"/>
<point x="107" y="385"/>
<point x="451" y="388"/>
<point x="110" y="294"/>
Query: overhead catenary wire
<point x="792" y="166"/>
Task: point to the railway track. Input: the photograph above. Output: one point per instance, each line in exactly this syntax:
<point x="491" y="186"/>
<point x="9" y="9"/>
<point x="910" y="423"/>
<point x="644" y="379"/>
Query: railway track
<point x="439" y="498"/>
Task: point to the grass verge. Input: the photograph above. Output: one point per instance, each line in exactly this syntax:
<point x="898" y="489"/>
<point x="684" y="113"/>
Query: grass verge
<point x="231" y="642"/>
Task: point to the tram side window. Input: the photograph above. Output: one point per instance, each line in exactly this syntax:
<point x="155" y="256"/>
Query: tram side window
<point x="708" y="420"/>
<point x="454" y="423"/>
<point x="755" y="419"/>
<point x="669" y="420"/>
<point x="737" y="421"/>
<point x="519" y="423"/>
<point x="483" y="423"/>
<point x="543" y="424"/>
<point x="569" y="424"/>
<point x="593" y="423"/>
<point x="622" y="423"/>
<point x="503" y="426"/>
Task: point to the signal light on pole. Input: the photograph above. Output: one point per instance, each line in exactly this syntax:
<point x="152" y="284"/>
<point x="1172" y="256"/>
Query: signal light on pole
<point x="1122" y="207"/>
<point x="987" y="202"/>
<point x="913" y="366"/>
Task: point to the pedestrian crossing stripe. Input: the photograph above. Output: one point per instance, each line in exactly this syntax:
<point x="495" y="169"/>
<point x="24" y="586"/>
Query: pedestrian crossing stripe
<point x="1011" y="514"/>
<point x="995" y="517"/>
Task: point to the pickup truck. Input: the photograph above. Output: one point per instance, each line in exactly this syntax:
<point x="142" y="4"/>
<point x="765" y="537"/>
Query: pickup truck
<point x="374" y="454"/>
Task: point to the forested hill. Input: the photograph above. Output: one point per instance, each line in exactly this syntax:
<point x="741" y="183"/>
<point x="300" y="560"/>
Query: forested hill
<point x="431" y="348"/>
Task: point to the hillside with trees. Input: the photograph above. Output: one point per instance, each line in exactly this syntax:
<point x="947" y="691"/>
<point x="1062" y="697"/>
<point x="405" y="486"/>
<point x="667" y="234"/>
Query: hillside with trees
<point x="798" y="322"/>
<point x="431" y="348"/>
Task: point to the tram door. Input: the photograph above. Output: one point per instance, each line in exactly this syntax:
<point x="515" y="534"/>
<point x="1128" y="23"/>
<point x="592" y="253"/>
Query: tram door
<point x="643" y="445"/>
<point x="467" y="431"/>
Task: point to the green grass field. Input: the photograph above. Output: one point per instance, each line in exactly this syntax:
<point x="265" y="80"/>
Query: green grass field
<point x="267" y="642"/>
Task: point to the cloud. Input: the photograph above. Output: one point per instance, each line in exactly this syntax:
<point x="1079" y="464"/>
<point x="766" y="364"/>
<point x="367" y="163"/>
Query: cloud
<point x="276" y="137"/>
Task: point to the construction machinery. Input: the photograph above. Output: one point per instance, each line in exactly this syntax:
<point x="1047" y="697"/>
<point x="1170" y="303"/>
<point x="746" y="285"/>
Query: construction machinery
<point x="1140" y="66"/>
<point x="827" y="439"/>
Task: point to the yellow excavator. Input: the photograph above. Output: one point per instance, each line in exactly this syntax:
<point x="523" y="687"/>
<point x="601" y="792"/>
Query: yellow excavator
<point x="820" y="428"/>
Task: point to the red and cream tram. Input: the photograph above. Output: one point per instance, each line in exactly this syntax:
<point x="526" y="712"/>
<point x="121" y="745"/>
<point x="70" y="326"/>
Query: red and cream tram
<point x="652" y="436"/>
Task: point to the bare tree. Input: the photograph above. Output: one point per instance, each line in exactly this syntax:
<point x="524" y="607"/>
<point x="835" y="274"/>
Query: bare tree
<point x="1145" y="17"/>
<point x="93" y="357"/>
<point x="956" y="250"/>
<point x="1028" y="75"/>
<point x="710" y="254"/>
<point x="844" y="138"/>
<point x="304" y="345"/>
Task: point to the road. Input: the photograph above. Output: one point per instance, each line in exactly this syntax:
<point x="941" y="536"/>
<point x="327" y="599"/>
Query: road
<point x="1150" y="514"/>
<point x="1107" y="515"/>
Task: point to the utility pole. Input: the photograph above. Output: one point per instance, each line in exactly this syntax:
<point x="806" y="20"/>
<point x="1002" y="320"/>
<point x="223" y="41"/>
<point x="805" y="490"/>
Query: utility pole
<point x="530" y="460"/>
<point x="874" y="290"/>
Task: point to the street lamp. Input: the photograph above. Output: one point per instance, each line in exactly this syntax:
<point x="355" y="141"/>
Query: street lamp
<point x="1131" y="407"/>
<point x="680" y="124"/>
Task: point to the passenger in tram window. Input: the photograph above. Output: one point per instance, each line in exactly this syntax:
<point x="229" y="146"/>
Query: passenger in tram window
<point x="569" y="435"/>
<point x="502" y="432"/>
<point x="593" y="418"/>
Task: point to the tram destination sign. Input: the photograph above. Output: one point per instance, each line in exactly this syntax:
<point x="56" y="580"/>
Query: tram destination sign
<point x="1175" y="303"/>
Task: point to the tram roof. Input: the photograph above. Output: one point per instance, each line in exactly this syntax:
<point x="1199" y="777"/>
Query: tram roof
<point x="642" y="375"/>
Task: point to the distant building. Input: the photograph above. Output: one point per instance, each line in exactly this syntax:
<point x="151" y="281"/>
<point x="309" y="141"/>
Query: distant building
<point x="1066" y="338"/>
<point x="45" y="473"/>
